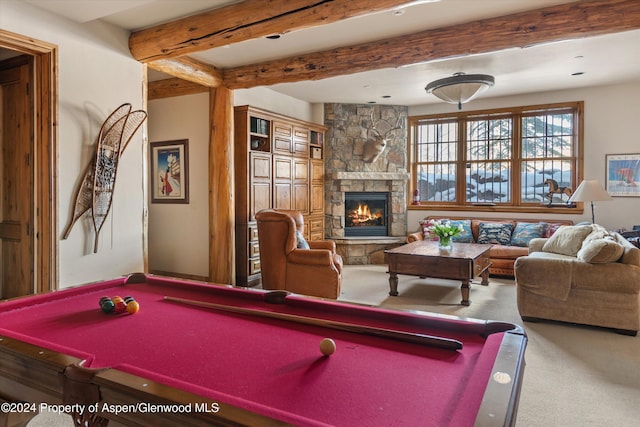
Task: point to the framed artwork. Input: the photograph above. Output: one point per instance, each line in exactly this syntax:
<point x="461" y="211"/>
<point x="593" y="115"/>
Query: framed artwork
<point x="170" y="171"/>
<point x="623" y="175"/>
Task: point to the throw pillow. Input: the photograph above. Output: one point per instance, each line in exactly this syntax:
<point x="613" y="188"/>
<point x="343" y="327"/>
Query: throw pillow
<point x="600" y="251"/>
<point x="495" y="232"/>
<point x="301" y="243"/>
<point x="465" y="236"/>
<point x="426" y="234"/>
<point x="524" y="232"/>
<point x="567" y="240"/>
<point x="550" y="229"/>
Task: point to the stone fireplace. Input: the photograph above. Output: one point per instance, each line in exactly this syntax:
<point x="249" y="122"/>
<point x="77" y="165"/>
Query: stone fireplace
<point x="347" y="171"/>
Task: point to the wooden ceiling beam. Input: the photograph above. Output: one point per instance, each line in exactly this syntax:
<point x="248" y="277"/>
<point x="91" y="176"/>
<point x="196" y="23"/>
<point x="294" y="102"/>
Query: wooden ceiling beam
<point x="189" y="69"/>
<point x="173" y="87"/>
<point x="568" y="21"/>
<point x="243" y="21"/>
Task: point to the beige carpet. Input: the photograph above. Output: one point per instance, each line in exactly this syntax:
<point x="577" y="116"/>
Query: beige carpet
<point x="574" y="375"/>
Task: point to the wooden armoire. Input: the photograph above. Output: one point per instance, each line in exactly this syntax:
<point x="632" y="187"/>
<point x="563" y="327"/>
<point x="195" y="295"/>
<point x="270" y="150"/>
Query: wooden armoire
<point x="278" y="164"/>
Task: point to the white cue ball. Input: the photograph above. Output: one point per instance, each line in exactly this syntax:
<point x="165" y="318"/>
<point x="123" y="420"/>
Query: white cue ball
<point x="327" y="346"/>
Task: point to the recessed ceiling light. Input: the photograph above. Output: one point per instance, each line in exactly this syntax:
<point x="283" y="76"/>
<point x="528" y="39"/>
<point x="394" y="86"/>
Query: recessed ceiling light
<point x="579" y="73"/>
<point x="386" y="96"/>
<point x="371" y="102"/>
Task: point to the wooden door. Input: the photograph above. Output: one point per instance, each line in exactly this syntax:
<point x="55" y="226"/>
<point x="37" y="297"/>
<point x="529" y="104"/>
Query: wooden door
<point x="17" y="193"/>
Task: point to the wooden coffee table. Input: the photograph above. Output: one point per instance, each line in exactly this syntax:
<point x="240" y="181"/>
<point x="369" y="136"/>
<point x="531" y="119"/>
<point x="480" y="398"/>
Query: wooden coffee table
<point x="424" y="259"/>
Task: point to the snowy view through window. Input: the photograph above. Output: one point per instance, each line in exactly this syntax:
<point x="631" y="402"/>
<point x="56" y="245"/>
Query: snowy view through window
<point x="538" y="148"/>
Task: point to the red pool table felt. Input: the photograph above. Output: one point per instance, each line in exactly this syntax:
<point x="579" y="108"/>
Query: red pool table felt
<point x="268" y="366"/>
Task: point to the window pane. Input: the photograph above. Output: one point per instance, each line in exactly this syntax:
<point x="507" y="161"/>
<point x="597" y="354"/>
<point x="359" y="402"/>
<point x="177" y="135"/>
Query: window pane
<point x="489" y="139"/>
<point x="437" y="142"/>
<point x="437" y="183"/>
<point x="534" y="184"/>
<point x="488" y="182"/>
<point x="547" y="135"/>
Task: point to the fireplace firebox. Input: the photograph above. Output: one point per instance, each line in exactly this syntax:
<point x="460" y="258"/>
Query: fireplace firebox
<point x="366" y="213"/>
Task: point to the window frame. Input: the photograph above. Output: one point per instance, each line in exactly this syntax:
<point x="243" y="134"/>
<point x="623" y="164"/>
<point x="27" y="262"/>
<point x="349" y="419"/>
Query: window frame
<point x="516" y="158"/>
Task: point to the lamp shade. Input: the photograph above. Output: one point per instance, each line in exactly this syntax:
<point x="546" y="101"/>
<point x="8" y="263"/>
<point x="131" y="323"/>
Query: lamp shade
<point x="460" y="88"/>
<point x="590" y="191"/>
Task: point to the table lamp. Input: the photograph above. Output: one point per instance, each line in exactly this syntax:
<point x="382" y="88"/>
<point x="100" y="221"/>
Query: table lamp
<point x="590" y="191"/>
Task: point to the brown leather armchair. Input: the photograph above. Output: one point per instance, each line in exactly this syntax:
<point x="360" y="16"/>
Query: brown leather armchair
<point x="316" y="271"/>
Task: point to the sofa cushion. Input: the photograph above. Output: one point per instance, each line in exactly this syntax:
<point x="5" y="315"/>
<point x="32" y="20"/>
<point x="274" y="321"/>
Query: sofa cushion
<point x="525" y="231"/>
<point x="495" y="232"/>
<point x="507" y="252"/>
<point x="465" y="236"/>
<point x="567" y="240"/>
<point x="600" y="251"/>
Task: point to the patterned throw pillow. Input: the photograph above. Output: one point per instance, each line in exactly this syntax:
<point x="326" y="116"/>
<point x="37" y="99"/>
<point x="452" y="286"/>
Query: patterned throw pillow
<point x="495" y="232"/>
<point x="301" y="243"/>
<point x="426" y="234"/>
<point x="550" y="229"/>
<point x="524" y="232"/>
<point x="465" y="236"/>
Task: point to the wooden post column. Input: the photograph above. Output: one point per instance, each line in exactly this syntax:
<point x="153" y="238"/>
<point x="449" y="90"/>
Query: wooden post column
<point x="221" y="187"/>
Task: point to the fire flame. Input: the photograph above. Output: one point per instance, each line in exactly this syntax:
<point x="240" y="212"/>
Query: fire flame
<point x="362" y="214"/>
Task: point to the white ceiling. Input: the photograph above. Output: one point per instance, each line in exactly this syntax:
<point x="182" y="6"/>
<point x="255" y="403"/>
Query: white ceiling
<point x="602" y="60"/>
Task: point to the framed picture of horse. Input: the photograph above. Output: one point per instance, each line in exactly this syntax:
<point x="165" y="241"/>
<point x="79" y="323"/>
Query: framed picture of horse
<point x="170" y="172"/>
<point x="623" y="175"/>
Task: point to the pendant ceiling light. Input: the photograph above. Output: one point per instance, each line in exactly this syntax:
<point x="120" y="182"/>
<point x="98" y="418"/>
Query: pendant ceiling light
<point x="460" y="88"/>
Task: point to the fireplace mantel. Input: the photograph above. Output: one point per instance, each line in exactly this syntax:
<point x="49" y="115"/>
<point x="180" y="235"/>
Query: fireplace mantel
<point x="369" y="176"/>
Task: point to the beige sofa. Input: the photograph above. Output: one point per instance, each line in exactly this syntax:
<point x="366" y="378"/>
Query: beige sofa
<point x="591" y="279"/>
<point x="502" y="257"/>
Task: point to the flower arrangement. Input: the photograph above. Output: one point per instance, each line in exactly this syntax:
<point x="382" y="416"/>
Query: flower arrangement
<point x="444" y="230"/>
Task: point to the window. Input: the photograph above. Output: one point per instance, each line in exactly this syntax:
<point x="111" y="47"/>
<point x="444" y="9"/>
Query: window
<point x="519" y="159"/>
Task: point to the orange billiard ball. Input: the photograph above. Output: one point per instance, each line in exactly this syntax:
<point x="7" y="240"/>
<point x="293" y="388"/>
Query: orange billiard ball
<point x="327" y="346"/>
<point x="133" y="307"/>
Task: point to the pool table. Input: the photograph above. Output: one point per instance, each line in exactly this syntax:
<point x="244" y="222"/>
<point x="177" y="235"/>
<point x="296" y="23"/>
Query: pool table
<point x="178" y="363"/>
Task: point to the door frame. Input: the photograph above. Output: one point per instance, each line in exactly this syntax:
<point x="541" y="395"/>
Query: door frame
<point x="45" y="146"/>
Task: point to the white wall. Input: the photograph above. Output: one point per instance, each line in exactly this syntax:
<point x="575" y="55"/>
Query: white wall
<point x="267" y="99"/>
<point x="96" y="75"/>
<point x="179" y="233"/>
<point x="611" y="114"/>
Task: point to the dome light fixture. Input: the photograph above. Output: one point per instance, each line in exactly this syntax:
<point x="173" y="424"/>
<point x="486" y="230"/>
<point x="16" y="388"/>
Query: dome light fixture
<point x="460" y="88"/>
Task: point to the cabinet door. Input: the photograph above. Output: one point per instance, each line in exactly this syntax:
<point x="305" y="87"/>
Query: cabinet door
<point x="301" y="185"/>
<point x="282" y="182"/>
<point x="301" y="142"/>
<point x="317" y="170"/>
<point x="282" y="137"/>
<point x="260" y="183"/>
<point x="316" y="204"/>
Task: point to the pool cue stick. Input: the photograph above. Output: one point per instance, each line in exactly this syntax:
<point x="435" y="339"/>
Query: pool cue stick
<point x="430" y="340"/>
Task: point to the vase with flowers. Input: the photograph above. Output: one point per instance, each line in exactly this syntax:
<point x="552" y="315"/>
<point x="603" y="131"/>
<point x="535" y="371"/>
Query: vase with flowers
<point x="444" y="230"/>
